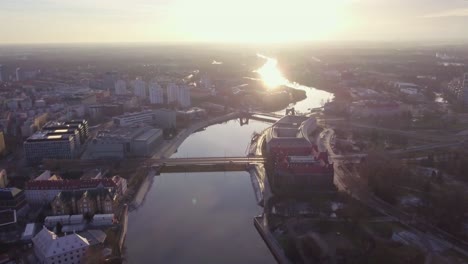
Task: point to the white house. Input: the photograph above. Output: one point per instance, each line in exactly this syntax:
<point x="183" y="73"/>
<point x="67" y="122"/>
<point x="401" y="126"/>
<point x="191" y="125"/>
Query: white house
<point x="51" y="249"/>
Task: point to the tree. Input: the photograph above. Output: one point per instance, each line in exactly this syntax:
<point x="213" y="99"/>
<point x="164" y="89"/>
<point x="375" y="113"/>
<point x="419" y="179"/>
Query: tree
<point x="383" y="174"/>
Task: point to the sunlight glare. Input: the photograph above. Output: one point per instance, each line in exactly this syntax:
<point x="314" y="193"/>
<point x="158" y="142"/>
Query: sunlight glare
<point x="271" y="75"/>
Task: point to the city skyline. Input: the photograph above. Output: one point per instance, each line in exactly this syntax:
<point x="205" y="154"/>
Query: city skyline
<point x="261" y="21"/>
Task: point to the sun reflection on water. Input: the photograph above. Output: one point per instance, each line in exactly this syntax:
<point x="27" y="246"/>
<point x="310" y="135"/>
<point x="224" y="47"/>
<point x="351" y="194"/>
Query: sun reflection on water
<point x="270" y="74"/>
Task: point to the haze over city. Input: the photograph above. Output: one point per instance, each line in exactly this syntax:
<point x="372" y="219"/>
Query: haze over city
<point x="260" y="21"/>
<point x="241" y="131"/>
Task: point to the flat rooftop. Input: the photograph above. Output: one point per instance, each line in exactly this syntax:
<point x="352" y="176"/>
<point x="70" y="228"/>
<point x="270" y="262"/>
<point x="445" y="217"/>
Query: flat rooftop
<point x="147" y="134"/>
<point x="49" y="135"/>
<point x="121" y="132"/>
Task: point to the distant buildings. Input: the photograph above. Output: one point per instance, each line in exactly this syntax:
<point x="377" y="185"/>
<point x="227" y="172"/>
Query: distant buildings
<point x="109" y="80"/>
<point x="120" y="87"/>
<point x="184" y="96"/>
<point x="375" y="108"/>
<point x="3" y="74"/>
<point x="139" y="88"/>
<point x="172" y="93"/>
<point x="156" y="93"/>
<point x="458" y="88"/>
<point x="52" y="249"/>
<point x="19" y="74"/>
<point x="465" y="88"/>
<point x="179" y="95"/>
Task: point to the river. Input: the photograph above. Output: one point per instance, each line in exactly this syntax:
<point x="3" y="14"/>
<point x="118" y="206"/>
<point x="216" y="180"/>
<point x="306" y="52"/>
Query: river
<point x="204" y="217"/>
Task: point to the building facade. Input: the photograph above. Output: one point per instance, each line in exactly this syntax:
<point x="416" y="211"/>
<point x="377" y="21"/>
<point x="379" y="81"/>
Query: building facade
<point x="98" y="201"/>
<point x="129" y="119"/>
<point x="156" y="93"/>
<point x="172" y="93"/>
<point x="184" y="96"/>
<point x="139" y="88"/>
<point x="40" y="192"/>
<point x="43" y="145"/>
<point x="120" y="87"/>
<point x="124" y="142"/>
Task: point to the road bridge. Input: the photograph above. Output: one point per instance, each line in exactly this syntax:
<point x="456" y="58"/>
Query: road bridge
<point x="204" y="164"/>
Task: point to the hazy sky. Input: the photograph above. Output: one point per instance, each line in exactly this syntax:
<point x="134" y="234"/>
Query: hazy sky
<point x="26" y="21"/>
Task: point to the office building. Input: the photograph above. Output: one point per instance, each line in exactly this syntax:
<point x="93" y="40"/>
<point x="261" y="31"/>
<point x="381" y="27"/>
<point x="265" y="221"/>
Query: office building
<point x="120" y="87"/>
<point x="125" y="142"/>
<point x="52" y="249"/>
<point x="129" y="119"/>
<point x="139" y="88"/>
<point x="19" y="74"/>
<point x="109" y="80"/>
<point x="83" y="123"/>
<point x="172" y="93"/>
<point x="42" y="145"/>
<point x="184" y="96"/>
<point x="156" y="93"/>
<point x="80" y="125"/>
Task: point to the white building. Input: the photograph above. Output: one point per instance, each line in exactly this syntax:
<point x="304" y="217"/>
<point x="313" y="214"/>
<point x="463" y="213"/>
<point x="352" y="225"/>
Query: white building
<point x="156" y="93"/>
<point x="172" y="93"/>
<point x="51" y="249"/>
<point x="120" y="87"/>
<point x="184" y="96"/>
<point x="129" y="119"/>
<point x="139" y="88"/>
<point x="125" y="141"/>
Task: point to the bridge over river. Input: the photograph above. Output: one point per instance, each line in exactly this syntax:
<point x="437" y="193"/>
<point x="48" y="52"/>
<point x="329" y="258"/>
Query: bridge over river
<point x="204" y="164"/>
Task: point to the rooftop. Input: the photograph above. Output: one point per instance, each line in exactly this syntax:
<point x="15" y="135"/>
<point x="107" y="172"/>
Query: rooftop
<point x="147" y="134"/>
<point x="69" y="184"/>
<point x="48" y="135"/>
<point x="49" y="244"/>
<point x="9" y="193"/>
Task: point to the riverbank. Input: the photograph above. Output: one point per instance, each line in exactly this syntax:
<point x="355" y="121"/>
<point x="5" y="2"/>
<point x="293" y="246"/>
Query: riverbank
<point x="169" y="147"/>
<point x="270" y="241"/>
<point x="143" y="190"/>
